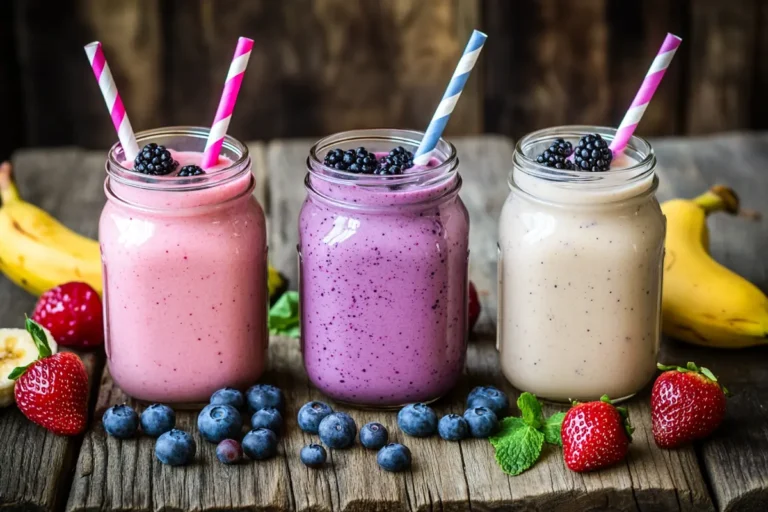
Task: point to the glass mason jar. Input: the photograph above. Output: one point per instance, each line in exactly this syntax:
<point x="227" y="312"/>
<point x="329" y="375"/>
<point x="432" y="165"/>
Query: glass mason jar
<point x="383" y="275"/>
<point x="580" y="269"/>
<point x="185" y="273"/>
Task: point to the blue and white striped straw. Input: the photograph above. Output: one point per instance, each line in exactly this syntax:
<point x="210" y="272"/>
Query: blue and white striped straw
<point x="451" y="96"/>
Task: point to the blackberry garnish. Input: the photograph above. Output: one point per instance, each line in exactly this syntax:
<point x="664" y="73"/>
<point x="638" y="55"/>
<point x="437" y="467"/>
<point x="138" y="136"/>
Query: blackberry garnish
<point x="154" y="159"/>
<point x="556" y="155"/>
<point x="593" y="154"/>
<point x="191" y="170"/>
<point x="397" y="161"/>
<point x="358" y="160"/>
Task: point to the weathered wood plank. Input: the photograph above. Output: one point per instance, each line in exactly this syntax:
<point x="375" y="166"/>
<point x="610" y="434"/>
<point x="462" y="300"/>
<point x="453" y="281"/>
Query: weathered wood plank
<point x="34" y="473"/>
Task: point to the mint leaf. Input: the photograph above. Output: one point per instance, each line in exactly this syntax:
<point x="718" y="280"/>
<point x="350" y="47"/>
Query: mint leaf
<point x="531" y="408"/>
<point x="39" y="337"/>
<point x="284" y="315"/>
<point x="552" y="429"/>
<point x="518" y="445"/>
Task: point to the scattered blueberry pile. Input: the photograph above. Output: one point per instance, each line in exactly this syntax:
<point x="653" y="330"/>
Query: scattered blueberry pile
<point x="361" y="161"/>
<point x="221" y="422"/>
<point x="591" y="154"/>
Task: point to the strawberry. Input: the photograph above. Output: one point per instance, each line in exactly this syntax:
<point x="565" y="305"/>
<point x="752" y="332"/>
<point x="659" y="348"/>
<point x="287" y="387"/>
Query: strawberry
<point x="686" y="404"/>
<point x="595" y="435"/>
<point x="474" y="306"/>
<point x="73" y="314"/>
<point x="53" y="390"/>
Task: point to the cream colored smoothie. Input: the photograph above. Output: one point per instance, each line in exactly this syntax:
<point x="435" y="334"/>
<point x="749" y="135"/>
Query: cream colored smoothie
<point x="580" y="268"/>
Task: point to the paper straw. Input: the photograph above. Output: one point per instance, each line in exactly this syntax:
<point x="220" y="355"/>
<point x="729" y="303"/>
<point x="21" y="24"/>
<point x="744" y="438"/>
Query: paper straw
<point x="645" y="94"/>
<point x="451" y="96"/>
<point x="112" y="98"/>
<point x="227" y="102"/>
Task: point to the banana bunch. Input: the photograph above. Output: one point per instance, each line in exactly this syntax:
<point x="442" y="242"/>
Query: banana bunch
<point x="16" y="349"/>
<point x="702" y="301"/>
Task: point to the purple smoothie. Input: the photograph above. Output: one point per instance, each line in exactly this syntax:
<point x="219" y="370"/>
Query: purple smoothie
<point x="384" y="283"/>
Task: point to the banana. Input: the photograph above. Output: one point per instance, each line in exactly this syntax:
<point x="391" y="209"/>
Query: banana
<point x="16" y="349"/>
<point x="703" y="302"/>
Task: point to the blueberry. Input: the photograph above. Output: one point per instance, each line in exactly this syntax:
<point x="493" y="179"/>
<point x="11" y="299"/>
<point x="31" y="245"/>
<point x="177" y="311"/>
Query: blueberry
<point x="311" y="414"/>
<point x="267" y="418"/>
<point x="313" y="456"/>
<point x="373" y="436"/>
<point x="418" y="420"/>
<point x="394" y="457"/>
<point x="219" y="422"/>
<point x="490" y="397"/>
<point x="338" y="430"/>
<point x="260" y="444"/>
<point x="453" y="427"/>
<point x="229" y="396"/>
<point x="262" y="396"/>
<point x="229" y="451"/>
<point x="157" y="419"/>
<point x="120" y="421"/>
<point x="175" y="448"/>
<point x="482" y="421"/>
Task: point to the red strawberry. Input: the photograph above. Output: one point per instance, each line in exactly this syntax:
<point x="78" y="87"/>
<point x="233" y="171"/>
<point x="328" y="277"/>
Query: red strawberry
<point x="52" y="391"/>
<point x="474" y="306"/>
<point x="595" y="435"/>
<point x="73" y="314"/>
<point x="686" y="404"/>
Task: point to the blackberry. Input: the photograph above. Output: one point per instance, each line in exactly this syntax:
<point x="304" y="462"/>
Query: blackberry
<point x="191" y="170"/>
<point x="155" y="160"/>
<point x="358" y="161"/>
<point x="593" y="154"/>
<point x="397" y="161"/>
<point x="556" y="155"/>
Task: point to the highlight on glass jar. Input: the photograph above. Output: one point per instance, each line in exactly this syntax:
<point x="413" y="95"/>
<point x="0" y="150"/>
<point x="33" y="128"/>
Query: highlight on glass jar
<point x="383" y="257"/>
<point x="580" y="254"/>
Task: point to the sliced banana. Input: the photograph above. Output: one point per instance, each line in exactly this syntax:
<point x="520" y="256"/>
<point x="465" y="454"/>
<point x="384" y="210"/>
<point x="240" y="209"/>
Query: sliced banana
<point x="16" y="349"/>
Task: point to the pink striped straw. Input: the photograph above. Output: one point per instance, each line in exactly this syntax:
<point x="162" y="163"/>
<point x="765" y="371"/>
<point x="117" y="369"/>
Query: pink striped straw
<point x="227" y="102"/>
<point x="112" y="98"/>
<point x="644" y="95"/>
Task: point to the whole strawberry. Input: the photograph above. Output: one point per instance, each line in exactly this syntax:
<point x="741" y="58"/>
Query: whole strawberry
<point x="73" y="314"/>
<point x="595" y="435"/>
<point x="53" y="390"/>
<point x="474" y="306"/>
<point x="686" y="404"/>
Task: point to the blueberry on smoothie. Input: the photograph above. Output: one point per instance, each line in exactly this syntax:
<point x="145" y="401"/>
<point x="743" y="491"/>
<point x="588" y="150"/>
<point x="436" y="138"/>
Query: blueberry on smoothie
<point x="229" y="396"/>
<point x="453" y="427"/>
<point x="373" y="436"/>
<point x="120" y="421"/>
<point x="490" y="397"/>
<point x="313" y="456"/>
<point x="394" y="457"/>
<point x="260" y="444"/>
<point x="397" y="161"/>
<point x="154" y="159"/>
<point x="311" y="414"/>
<point x="219" y="422"/>
<point x="175" y="448"/>
<point x="482" y="421"/>
<point x="157" y="419"/>
<point x="418" y="420"/>
<point x="338" y="430"/>
<point x="229" y="452"/>
<point x="359" y="161"/>
<point x="269" y="418"/>
<point x="262" y="396"/>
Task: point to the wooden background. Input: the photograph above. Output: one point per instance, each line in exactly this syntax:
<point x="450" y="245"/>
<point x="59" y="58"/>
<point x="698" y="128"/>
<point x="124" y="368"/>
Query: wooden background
<point x="321" y="66"/>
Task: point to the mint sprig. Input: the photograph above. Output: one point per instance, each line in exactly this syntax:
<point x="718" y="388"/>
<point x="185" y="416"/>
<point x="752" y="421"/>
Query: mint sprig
<point x="41" y="342"/>
<point x="520" y="440"/>
<point x="284" y="315"/>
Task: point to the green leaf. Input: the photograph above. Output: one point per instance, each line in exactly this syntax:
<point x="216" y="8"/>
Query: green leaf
<point x="284" y="315"/>
<point x="39" y="337"/>
<point x="518" y="446"/>
<point x="531" y="408"/>
<point x="18" y="372"/>
<point x="552" y="429"/>
<point x="708" y="374"/>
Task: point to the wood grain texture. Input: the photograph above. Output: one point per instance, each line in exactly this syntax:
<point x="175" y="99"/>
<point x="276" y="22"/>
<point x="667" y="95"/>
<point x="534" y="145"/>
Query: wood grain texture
<point x="35" y="464"/>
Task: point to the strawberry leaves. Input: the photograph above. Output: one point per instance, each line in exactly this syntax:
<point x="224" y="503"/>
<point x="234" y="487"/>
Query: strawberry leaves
<point x="692" y="367"/>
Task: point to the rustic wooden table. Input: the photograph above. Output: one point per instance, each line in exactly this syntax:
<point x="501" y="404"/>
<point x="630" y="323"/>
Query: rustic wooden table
<point x="729" y="471"/>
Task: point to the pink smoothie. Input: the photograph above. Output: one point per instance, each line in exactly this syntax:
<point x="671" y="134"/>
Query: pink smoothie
<point x="383" y="288"/>
<point x="185" y="286"/>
